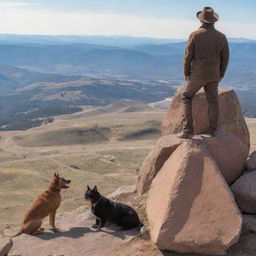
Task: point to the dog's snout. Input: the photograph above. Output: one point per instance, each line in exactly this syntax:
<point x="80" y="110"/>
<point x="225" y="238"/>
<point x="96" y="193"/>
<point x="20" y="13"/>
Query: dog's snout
<point x="67" y="181"/>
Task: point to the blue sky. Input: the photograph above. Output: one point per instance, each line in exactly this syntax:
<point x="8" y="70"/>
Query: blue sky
<point x="154" y="18"/>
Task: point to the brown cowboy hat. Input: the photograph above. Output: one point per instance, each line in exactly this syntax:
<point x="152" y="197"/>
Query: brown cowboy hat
<point x="207" y="15"/>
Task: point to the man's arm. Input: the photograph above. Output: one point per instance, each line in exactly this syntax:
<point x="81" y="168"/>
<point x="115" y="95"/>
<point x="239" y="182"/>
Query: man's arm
<point x="224" y="58"/>
<point x="189" y="52"/>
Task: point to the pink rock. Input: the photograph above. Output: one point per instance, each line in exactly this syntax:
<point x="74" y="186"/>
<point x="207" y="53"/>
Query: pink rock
<point x="227" y="150"/>
<point x="190" y="207"/>
<point x="230" y="116"/>
<point x="164" y="147"/>
<point x="229" y="153"/>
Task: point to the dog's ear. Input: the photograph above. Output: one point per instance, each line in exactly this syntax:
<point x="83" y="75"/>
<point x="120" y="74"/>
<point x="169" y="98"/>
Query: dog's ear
<point x="95" y="189"/>
<point x="56" y="175"/>
<point x="88" y="187"/>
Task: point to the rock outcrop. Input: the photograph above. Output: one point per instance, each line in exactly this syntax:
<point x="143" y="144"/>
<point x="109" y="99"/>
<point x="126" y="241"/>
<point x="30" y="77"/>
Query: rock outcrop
<point x="230" y="115"/>
<point x="244" y="190"/>
<point x="190" y="207"/>
<point x="227" y="150"/>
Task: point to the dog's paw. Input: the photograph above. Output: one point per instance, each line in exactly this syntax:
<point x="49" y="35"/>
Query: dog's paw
<point x="56" y="229"/>
<point x="95" y="228"/>
<point x="37" y="232"/>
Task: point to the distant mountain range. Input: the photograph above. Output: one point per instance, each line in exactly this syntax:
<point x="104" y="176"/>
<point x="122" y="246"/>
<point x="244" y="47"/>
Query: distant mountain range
<point x="119" y="41"/>
<point x="121" y="57"/>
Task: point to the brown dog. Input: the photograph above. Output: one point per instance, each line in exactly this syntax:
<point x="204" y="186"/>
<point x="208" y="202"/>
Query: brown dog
<point x="46" y="204"/>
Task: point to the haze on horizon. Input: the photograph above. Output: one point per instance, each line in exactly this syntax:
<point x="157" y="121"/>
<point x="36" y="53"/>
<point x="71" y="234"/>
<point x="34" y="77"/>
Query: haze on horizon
<point x="141" y="18"/>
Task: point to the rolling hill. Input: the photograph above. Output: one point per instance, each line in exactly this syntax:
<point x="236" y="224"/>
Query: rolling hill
<point x="41" y="102"/>
<point x="12" y="78"/>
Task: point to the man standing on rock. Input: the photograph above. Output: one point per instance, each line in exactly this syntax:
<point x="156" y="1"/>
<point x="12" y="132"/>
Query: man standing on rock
<point x="205" y="63"/>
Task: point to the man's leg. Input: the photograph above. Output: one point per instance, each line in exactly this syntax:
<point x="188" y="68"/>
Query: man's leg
<point x="211" y="93"/>
<point x="190" y="89"/>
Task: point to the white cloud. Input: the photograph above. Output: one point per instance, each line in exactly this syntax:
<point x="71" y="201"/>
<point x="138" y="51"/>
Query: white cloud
<point x="10" y="6"/>
<point x="46" y="22"/>
<point x="238" y="29"/>
<point x="19" y="20"/>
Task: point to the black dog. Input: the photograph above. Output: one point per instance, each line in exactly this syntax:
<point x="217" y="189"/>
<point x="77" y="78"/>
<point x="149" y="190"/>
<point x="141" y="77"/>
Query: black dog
<point x="108" y="211"/>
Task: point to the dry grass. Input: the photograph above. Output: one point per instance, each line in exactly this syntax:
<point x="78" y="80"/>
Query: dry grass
<point x="64" y="137"/>
<point x="22" y="180"/>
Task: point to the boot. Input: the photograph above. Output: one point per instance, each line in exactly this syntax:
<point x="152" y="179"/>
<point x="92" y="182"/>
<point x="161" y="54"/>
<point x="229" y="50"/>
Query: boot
<point x="185" y="135"/>
<point x="211" y="133"/>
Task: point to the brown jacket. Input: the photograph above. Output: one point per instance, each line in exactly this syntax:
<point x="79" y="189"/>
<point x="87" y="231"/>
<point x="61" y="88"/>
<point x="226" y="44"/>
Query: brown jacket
<point x="207" y="54"/>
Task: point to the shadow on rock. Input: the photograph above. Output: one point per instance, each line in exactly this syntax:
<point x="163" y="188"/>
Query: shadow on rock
<point x="121" y="234"/>
<point x="75" y="232"/>
<point x="171" y="253"/>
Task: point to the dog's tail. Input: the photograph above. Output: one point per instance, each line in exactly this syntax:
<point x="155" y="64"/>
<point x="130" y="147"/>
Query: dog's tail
<point x="17" y="234"/>
<point x="142" y="229"/>
<point x="140" y="225"/>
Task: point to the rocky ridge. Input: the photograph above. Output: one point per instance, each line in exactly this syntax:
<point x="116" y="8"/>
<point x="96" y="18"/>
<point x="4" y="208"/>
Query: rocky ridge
<point x="190" y="206"/>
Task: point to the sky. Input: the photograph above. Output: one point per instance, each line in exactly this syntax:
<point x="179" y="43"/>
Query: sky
<point x="138" y="18"/>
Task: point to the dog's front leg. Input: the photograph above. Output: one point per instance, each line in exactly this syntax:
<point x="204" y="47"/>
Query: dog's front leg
<point x="97" y="225"/>
<point x="52" y="221"/>
<point x="102" y="223"/>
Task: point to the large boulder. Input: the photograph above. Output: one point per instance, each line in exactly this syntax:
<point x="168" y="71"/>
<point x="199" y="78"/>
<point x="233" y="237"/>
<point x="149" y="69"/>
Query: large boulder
<point x="190" y="207"/>
<point x="227" y="150"/>
<point x="164" y="147"/>
<point x="230" y="115"/>
<point x="244" y="190"/>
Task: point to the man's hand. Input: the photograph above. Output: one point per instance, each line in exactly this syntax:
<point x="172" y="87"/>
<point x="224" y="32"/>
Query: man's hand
<point x="186" y="78"/>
